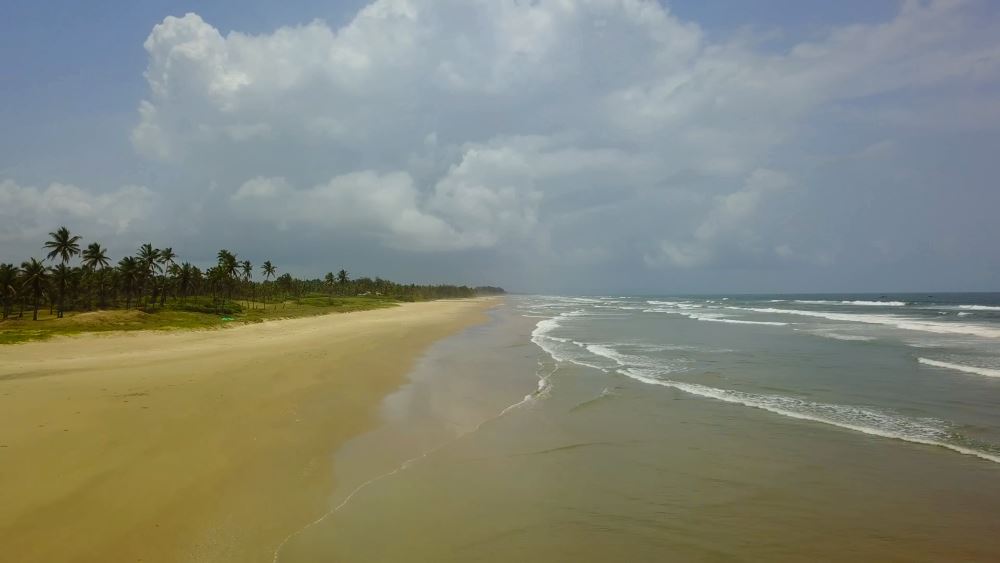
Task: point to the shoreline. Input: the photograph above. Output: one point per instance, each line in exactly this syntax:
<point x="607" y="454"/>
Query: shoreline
<point x="225" y="436"/>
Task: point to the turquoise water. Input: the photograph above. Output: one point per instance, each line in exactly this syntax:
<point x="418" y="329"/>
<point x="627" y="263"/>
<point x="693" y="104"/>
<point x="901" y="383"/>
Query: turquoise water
<point x="723" y="428"/>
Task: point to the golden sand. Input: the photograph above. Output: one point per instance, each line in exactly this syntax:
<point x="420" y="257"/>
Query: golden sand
<point x="193" y="446"/>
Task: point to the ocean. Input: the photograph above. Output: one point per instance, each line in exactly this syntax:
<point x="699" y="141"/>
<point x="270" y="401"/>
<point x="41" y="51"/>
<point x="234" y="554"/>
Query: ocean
<point x="686" y="428"/>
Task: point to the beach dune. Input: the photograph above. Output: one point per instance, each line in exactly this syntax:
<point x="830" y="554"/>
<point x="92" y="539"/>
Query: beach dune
<point x="193" y="446"/>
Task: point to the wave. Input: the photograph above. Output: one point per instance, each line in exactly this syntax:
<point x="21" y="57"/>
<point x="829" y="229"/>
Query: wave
<point x="889" y="320"/>
<point x="848" y="337"/>
<point x="714" y="317"/>
<point x="930" y="432"/>
<point x="560" y="349"/>
<point x="653" y="365"/>
<point x="861" y="303"/>
<point x="979" y="307"/>
<point x="960" y="367"/>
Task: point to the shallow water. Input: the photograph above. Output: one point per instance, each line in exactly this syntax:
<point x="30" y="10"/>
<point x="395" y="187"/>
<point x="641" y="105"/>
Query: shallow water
<point x="686" y="428"/>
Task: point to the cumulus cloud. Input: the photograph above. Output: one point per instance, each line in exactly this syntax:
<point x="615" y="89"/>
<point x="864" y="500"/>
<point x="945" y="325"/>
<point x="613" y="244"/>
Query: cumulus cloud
<point x="731" y="220"/>
<point x="461" y="212"/>
<point x="28" y="213"/>
<point x="442" y="125"/>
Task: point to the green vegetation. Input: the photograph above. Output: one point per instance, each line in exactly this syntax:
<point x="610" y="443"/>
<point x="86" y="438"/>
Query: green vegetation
<point x="151" y="291"/>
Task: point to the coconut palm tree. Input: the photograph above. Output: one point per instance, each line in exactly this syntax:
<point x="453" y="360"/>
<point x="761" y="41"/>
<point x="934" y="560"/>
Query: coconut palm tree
<point x="148" y="259"/>
<point x="166" y="262"/>
<point x="8" y="288"/>
<point x="65" y="246"/>
<point x="228" y="270"/>
<point x="246" y="269"/>
<point x="95" y="257"/>
<point x="268" y="270"/>
<point x="285" y="283"/>
<point x="34" y="278"/>
<point x="62" y="278"/>
<point x="129" y="272"/>
<point x="167" y="256"/>
<point x="342" y="280"/>
<point x="95" y="260"/>
<point x="185" y="275"/>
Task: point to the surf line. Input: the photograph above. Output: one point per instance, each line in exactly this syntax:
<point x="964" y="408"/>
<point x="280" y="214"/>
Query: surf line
<point x="542" y="391"/>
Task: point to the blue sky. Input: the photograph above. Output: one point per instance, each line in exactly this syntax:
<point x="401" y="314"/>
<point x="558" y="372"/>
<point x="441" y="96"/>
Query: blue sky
<point x="769" y="145"/>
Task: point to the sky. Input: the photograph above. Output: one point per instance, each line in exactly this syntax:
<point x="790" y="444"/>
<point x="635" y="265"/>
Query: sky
<point x="570" y="146"/>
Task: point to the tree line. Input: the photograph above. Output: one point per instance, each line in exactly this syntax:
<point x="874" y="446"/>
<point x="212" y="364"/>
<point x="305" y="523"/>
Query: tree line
<point x="153" y="277"/>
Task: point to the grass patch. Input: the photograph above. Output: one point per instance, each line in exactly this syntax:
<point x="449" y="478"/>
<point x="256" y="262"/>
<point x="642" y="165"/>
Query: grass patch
<point x="194" y="313"/>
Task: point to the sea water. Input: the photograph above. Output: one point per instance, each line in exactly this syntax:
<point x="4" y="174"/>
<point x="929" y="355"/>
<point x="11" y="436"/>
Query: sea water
<point x="650" y="428"/>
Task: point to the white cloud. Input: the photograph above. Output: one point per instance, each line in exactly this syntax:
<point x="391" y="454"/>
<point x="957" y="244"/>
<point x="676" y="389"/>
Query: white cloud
<point x="440" y="125"/>
<point x="461" y="213"/>
<point x="28" y="213"/>
<point x="730" y="223"/>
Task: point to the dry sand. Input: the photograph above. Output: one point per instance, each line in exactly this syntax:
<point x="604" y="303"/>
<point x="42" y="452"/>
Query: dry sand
<point x="193" y="446"/>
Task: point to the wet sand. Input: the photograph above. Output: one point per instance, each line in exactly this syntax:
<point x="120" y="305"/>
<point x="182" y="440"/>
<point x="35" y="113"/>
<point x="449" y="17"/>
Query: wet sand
<point x="194" y="446"/>
<point x="596" y="466"/>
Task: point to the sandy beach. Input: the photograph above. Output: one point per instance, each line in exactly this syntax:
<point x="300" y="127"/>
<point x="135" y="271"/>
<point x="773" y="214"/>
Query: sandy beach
<point x="193" y="446"/>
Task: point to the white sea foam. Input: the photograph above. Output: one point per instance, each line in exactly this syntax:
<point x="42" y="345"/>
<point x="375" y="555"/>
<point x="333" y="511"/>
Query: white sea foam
<point x="929" y="432"/>
<point x="653" y="365"/>
<point x="889" y="320"/>
<point x="540" y="336"/>
<point x="721" y="319"/>
<point x="979" y="307"/>
<point x="839" y="336"/>
<point x="608" y="352"/>
<point x="857" y="303"/>
<point x="714" y="317"/>
<point x="988" y="372"/>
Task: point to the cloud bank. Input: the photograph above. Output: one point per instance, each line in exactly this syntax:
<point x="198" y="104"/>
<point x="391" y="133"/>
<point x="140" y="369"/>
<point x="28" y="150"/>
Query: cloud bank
<point x="582" y="135"/>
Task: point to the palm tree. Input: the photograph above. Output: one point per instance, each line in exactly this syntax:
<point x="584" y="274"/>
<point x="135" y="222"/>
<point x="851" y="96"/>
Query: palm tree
<point x="285" y="283"/>
<point x="269" y="270"/>
<point x="148" y="260"/>
<point x="95" y="259"/>
<point x="246" y="269"/>
<point x="229" y="269"/>
<point x="8" y="289"/>
<point x="342" y="280"/>
<point x="166" y="260"/>
<point x="129" y="270"/>
<point x="329" y="280"/>
<point x="35" y="276"/>
<point x="185" y="277"/>
<point x="167" y="256"/>
<point x="65" y="246"/>
<point x="62" y="276"/>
